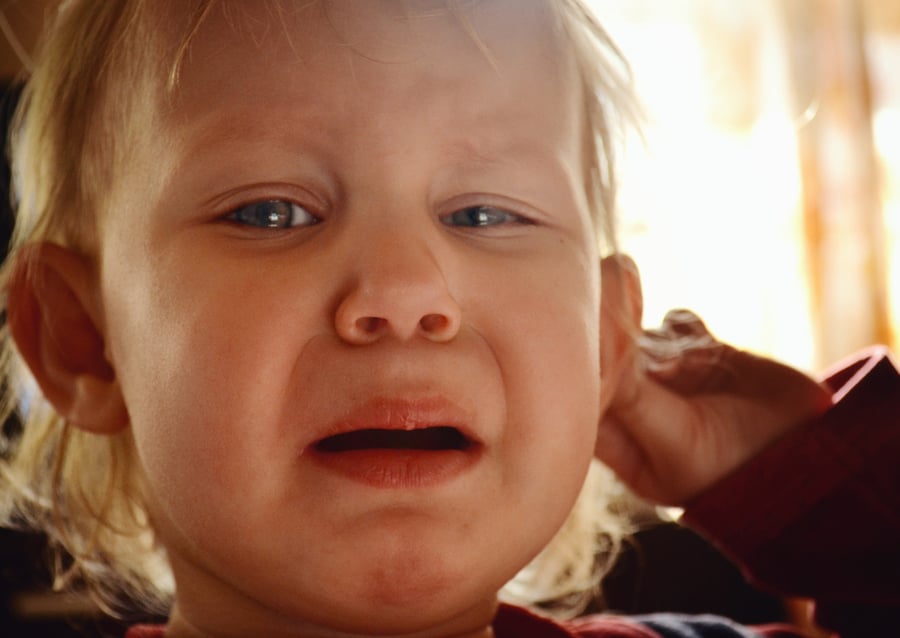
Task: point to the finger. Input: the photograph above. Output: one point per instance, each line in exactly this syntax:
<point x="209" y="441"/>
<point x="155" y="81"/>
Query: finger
<point x="681" y="331"/>
<point x="651" y="435"/>
<point x="697" y="369"/>
<point x="684" y="322"/>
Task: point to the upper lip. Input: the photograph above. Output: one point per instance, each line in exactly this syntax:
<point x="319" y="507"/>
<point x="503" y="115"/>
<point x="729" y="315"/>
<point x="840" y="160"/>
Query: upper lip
<point x="402" y="414"/>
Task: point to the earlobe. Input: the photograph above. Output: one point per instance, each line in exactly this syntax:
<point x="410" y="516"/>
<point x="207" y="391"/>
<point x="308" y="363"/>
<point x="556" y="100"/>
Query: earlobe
<point x="621" y="309"/>
<point x="54" y="317"/>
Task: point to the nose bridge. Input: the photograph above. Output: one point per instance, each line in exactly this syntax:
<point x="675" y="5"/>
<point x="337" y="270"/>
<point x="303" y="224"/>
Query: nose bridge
<point x="400" y="266"/>
<point x="399" y="286"/>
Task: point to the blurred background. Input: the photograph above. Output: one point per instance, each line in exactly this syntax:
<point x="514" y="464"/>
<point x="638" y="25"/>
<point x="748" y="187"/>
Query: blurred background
<point x="765" y="194"/>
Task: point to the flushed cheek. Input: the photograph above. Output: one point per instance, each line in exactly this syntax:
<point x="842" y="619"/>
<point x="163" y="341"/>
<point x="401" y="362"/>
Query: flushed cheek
<point x="210" y="439"/>
<point x="550" y="318"/>
<point x="548" y="349"/>
<point x="201" y="364"/>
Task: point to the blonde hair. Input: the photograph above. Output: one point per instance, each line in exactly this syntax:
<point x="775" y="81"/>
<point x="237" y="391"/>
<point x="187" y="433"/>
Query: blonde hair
<point x="72" y="130"/>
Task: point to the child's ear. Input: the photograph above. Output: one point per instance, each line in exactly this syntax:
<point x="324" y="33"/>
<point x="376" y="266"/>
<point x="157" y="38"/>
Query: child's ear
<point x="54" y="314"/>
<point x="621" y="308"/>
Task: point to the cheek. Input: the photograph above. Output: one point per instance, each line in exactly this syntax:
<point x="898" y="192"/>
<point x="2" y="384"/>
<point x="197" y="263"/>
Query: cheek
<point x="551" y="328"/>
<point x="202" y="357"/>
<point x="546" y="341"/>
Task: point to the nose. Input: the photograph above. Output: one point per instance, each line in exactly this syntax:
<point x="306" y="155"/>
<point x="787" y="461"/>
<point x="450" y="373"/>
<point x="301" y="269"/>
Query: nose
<point x="397" y="289"/>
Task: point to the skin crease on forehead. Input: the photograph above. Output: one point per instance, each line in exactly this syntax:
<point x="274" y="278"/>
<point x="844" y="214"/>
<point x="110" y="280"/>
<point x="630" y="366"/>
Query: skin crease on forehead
<point x="237" y="348"/>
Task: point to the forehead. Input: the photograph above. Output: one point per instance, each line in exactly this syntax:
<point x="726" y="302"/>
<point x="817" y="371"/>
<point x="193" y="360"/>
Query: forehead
<point x="360" y="59"/>
<point x="384" y="31"/>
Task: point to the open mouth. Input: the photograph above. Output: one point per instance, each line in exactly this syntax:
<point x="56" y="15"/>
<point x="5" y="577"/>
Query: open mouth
<point x="397" y="458"/>
<point x="438" y="438"/>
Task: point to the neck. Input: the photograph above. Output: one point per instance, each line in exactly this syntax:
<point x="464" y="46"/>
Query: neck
<point x="468" y="626"/>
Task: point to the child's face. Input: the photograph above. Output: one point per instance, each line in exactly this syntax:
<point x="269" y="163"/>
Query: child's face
<point x="437" y="268"/>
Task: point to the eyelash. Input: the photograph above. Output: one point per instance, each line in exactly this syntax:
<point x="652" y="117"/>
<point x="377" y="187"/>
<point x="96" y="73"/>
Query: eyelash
<point x="272" y="214"/>
<point x="483" y="216"/>
<point x="279" y="214"/>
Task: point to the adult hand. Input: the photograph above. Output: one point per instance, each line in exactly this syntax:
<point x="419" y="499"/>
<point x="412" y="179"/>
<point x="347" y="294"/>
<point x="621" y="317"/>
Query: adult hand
<point x="688" y="409"/>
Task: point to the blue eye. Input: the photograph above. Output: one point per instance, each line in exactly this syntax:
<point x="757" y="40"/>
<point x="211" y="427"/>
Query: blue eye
<point x="275" y="213"/>
<point x="480" y="217"/>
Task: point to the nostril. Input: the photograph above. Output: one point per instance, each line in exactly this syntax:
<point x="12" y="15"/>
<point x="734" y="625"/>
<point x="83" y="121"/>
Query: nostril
<point x="434" y="323"/>
<point x="370" y="325"/>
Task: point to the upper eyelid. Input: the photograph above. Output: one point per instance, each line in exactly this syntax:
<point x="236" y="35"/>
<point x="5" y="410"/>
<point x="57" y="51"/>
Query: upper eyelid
<point x="230" y="202"/>
<point x="234" y="199"/>
<point x="512" y="206"/>
<point x="233" y="208"/>
<point x="450" y="202"/>
<point x="232" y="217"/>
<point x="502" y="209"/>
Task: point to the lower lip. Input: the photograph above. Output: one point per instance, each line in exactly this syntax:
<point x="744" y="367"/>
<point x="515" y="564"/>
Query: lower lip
<point x="399" y="469"/>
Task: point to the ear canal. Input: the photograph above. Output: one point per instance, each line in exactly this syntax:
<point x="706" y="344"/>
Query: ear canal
<point x="52" y="314"/>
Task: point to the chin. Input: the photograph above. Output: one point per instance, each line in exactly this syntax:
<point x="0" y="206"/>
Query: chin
<point x="415" y="596"/>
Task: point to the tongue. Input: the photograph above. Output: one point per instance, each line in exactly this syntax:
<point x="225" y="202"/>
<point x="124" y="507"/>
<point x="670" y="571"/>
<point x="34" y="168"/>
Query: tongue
<point x="436" y="438"/>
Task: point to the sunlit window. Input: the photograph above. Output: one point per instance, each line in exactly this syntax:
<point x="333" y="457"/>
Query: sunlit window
<point x="765" y="194"/>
